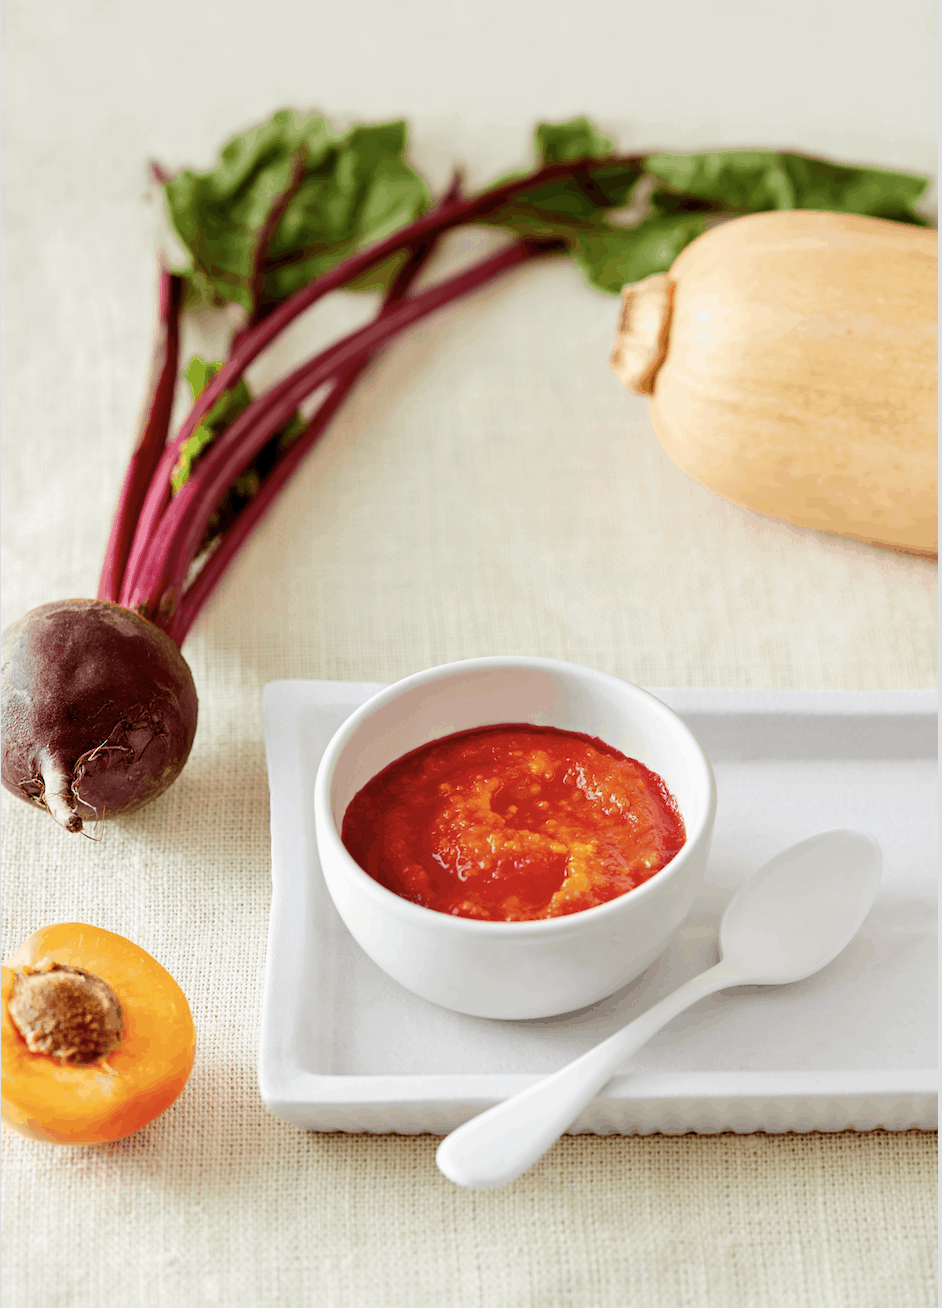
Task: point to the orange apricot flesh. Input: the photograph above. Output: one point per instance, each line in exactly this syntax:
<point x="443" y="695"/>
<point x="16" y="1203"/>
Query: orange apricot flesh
<point x="63" y="1103"/>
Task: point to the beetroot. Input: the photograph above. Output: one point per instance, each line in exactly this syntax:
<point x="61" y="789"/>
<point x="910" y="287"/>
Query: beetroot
<point x="98" y="708"/>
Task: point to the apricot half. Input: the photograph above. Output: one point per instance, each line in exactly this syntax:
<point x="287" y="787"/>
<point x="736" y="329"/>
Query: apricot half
<point x="97" y="1037"/>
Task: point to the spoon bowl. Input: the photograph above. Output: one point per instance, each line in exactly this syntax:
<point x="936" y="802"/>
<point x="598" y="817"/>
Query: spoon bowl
<point x="788" y="921"/>
<point x="801" y="908"/>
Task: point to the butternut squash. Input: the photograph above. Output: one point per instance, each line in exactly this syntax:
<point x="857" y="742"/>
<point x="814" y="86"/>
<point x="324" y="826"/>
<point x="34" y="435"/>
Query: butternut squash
<point x="791" y="363"/>
<point x="97" y="1037"/>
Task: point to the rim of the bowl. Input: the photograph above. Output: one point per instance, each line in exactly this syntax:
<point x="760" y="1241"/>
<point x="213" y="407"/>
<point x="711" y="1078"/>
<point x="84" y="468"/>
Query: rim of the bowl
<point x="539" y="926"/>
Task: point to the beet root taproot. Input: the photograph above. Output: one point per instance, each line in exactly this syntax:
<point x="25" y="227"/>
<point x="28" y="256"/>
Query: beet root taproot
<point x="98" y="710"/>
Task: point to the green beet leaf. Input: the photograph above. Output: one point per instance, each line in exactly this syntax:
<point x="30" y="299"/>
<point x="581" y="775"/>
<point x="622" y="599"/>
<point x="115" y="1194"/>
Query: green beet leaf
<point x="313" y="197"/>
<point x="230" y="406"/>
<point x="224" y="412"/>
<point x="752" y="181"/>
<point x="686" y="188"/>
<point x="572" y="208"/>
<point x="336" y="193"/>
<point x="575" y="139"/>
<point x="362" y="194"/>
<point x="618" y="255"/>
<point x="579" y="208"/>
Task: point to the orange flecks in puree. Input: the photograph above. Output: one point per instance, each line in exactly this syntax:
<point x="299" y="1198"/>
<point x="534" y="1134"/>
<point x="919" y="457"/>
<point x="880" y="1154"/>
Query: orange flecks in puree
<point x="511" y="823"/>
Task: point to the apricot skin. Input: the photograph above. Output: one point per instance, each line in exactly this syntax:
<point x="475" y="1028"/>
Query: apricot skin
<point x="81" y="1105"/>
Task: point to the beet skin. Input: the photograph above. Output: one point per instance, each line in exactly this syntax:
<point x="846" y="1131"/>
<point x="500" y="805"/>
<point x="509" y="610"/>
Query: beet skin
<point x="98" y="710"/>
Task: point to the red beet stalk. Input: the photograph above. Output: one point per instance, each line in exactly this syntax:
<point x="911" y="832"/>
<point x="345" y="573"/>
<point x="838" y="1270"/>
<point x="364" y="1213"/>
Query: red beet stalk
<point x="130" y="572"/>
<point x="198" y="593"/>
<point x="153" y="439"/>
<point x="227" y="547"/>
<point x="452" y="212"/>
<point x="157" y="586"/>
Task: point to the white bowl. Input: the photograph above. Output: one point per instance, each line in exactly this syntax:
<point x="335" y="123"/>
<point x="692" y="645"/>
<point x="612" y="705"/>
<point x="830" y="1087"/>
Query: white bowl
<point x="514" y="969"/>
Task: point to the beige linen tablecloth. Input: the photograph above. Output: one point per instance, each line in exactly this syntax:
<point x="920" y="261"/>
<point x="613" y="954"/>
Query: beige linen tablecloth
<point x="490" y="488"/>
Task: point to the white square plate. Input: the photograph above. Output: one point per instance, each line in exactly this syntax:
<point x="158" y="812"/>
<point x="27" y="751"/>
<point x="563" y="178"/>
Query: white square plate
<point x="343" y="1047"/>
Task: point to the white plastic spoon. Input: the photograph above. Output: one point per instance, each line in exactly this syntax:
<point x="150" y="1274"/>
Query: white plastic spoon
<point x="789" y="920"/>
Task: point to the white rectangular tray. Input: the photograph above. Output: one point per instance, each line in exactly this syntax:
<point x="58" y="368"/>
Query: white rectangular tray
<point x="345" y="1048"/>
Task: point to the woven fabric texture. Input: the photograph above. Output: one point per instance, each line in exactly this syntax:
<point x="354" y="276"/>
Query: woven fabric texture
<point x="489" y="488"/>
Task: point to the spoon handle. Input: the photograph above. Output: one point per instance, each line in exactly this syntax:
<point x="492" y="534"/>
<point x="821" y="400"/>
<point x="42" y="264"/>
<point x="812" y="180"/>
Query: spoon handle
<point x="500" y="1144"/>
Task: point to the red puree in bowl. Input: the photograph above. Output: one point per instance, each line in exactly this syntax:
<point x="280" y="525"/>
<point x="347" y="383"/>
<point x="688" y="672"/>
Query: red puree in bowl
<point x="514" y="822"/>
